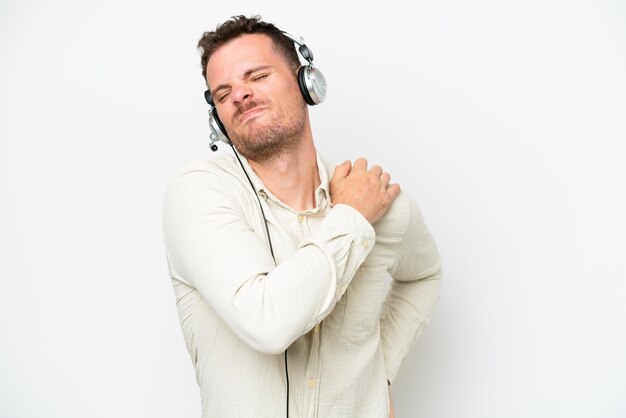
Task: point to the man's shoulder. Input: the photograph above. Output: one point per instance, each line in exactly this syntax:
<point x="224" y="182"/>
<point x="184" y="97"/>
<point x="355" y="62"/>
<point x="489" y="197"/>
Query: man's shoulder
<point x="201" y="175"/>
<point x="395" y="222"/>
<point x="220" y="165"/>
<point x="208" y="171"/>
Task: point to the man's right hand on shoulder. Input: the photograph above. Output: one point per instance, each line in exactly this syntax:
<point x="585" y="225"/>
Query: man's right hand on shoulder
<point x="367" y="191"/>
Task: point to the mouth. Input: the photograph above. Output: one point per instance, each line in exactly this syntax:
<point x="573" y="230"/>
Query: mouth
<point x="251" y="114"/>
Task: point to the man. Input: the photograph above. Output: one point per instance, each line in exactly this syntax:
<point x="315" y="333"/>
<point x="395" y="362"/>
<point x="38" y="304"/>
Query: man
<point x="284" y="309"/>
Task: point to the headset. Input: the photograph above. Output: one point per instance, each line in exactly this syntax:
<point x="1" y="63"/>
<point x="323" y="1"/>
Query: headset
<point x="311" y="82"/>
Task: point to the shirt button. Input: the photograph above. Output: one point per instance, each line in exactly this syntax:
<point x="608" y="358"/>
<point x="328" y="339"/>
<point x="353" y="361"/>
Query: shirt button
<point x="317" y="328"/>
<point x="366" y="245"/>
<point x="311" y="383"/>
<point x="301" y="218"/>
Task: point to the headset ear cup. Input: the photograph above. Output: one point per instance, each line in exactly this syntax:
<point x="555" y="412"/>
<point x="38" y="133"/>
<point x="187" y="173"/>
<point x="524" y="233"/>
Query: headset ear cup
<point x="303" y="86"/>
<point x="218" y="132"/>
<point x="219" y="122"/>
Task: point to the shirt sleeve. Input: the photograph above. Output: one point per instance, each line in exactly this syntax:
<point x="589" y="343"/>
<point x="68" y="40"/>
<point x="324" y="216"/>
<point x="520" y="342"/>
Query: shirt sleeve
<point x="414" y="291"/>
<point x="212" y="247"/>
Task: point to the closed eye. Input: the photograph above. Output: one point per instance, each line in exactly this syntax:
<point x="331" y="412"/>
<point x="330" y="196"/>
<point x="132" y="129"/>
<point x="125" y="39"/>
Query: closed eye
<point x="220" y="98"/>
<point x="260" y="77"/>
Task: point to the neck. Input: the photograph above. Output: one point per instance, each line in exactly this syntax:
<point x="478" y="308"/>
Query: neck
<point x="293" y="175"/>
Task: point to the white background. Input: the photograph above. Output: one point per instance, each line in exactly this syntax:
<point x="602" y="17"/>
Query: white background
<point x="505" y="120"/>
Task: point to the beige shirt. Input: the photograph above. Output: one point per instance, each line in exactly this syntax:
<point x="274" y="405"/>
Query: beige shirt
<point x="346" y="299"/>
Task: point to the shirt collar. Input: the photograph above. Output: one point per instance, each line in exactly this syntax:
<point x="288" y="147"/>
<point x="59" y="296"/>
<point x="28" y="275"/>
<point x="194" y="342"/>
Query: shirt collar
<point x="322" y="193"/>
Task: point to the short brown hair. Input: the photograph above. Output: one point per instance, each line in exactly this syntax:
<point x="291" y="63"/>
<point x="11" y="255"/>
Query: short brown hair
<point x="241" y="25"/>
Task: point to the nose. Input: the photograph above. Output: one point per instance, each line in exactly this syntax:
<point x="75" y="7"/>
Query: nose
<point x="241" y="93"/>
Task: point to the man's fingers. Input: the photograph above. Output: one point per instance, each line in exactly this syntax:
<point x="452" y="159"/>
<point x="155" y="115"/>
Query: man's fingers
<point x="384" y="179"/>
<point x="376" y="170"/>
<point x="360" y="164"/>
<point x="342" y="169"/>
<point x="393" y="190"/>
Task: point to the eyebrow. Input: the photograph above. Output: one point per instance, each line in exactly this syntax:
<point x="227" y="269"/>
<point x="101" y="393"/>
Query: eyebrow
<point x="246" y="75"/>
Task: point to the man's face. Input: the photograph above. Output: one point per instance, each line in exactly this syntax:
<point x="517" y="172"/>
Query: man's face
<point x="257" y="96"/>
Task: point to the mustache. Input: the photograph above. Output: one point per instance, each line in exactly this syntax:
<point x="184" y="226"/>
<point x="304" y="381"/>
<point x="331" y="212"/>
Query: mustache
<point x="247" y="106"/>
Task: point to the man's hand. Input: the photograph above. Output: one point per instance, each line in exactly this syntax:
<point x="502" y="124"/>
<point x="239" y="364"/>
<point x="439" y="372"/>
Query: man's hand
<point x="392" y="414"/>
<point x="367" y="191"/>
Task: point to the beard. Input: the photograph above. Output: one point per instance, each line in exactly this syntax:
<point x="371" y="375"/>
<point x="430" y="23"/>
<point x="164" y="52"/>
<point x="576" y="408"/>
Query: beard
<point x="261" y="141"/>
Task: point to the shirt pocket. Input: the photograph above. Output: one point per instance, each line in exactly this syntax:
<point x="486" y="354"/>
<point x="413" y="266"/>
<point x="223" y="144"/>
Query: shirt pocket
<point x="364" y="299"/>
